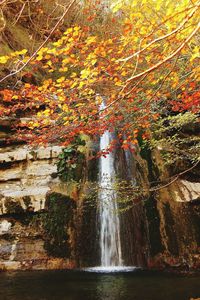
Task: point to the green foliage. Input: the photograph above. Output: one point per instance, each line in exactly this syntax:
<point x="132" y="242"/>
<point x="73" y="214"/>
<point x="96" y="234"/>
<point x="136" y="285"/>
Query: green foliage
<point x="177" y="137"/>
<point x="71" y="161"/>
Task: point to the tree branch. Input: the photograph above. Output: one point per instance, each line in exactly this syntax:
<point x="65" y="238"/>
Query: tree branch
<point x="167" y="58"/>
<point x="175" y="178"/>
<point x="42" y="45"/>
<point x="164" y="36"/>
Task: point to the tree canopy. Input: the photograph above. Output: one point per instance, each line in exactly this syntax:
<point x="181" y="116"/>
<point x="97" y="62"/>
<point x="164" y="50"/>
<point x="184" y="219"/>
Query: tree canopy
<point x="140" y="57"/>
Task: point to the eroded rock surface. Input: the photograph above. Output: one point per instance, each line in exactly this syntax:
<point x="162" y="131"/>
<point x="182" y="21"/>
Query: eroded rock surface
<point x="25" y="178"/>
<point x="174" y="220"/>
<point x="25" y="175"/>
<point x="47" y="224"/>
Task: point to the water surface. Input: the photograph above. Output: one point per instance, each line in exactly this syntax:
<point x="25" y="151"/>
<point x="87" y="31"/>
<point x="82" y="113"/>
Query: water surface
<point x="82" y="285"/>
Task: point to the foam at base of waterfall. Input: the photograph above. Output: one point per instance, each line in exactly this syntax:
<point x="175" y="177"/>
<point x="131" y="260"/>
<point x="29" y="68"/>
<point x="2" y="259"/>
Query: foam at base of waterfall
<point x="111" y="269"/>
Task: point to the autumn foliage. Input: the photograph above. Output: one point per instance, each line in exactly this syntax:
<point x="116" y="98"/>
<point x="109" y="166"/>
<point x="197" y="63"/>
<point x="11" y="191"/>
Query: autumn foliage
<point x="139" y="57"/>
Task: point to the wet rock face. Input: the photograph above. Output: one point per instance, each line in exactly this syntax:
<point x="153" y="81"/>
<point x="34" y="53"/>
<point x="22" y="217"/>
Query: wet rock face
<point x="133" y="227"/>
<point x="25" y="240"/>
<point x="174" y="222"/>
<point x="180" y="225"/>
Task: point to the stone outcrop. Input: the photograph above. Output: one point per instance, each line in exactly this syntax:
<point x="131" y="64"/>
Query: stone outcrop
<point x="174" y="220"/>
<point x="47" y="224"/>
<point x="22" y="247"/>
<point x="25" y="175"/>
<point x="25" y="178"/>
<point x="44" y="223"/>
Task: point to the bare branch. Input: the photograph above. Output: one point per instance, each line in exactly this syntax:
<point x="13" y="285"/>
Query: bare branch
<point x="42" y="45"/>
<point x="166" y="35"/>
<point x="3" y="21"/>
<point x="168" y="57"/>
<point x="176" y="177"/>
<point x="20" y="13"/>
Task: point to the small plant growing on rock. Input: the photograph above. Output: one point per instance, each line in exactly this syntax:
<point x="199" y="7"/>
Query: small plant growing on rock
<point x="72" y="161"/>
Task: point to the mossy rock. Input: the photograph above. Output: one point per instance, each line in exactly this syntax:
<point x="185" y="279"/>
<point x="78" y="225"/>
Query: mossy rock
<point x="153" y="220"/>
<point x="56" y="222"/>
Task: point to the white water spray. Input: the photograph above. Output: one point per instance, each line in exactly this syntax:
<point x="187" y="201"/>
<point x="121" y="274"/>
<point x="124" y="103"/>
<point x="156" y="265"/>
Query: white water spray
<point x="110" y="243"/>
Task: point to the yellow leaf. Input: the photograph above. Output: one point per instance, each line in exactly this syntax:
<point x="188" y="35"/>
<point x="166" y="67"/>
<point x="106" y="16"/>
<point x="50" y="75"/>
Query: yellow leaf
<point x="91" y="40"/>
<point x="24" y="51"/>
<point x="81" y="84"/>
<point x="73" y="75"/>
<point x="66" y="60"/>
<point x="65" y="69"/>
<point x="3" y="59"/>
<point x="77" y="28"/>
<point x="65" y="108"/>
<point x="49" y="63"/>
<point x="79" y="104"/>
<point x="85" y="73"/>
<point x="124" y="73"/>
<point x="39" y="57"/>
<point x="118" y="83"/>
<point x="69" y="30"/>
<point x="46" y="112"/>
<point x="15" y="97"/>
<point x="61" y="79"/>
<point x="196" y="53"/>
<point x="93" y="62"/>
<point x="74" y="84"/>
<point x="116" y="6"/>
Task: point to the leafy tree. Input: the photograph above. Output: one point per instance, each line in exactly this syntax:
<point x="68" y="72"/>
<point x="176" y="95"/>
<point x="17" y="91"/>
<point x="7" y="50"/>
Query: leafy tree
<point x="140" y="56"/>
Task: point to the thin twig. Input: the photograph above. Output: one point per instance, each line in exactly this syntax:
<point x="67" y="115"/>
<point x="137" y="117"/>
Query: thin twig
<point x="20" y="13"/>
<point x="168" y="57"/>
<point x="42" y="45"/>
<point x="175" y="178"/>
<point x="166" y="35"/>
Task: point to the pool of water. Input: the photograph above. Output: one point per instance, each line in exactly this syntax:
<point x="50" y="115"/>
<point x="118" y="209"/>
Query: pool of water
<point x="94" y="285"/>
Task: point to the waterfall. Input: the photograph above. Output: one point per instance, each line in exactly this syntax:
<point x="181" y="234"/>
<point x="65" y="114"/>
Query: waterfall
<point x="110" y="243"/>
<point x="113" y="245"/>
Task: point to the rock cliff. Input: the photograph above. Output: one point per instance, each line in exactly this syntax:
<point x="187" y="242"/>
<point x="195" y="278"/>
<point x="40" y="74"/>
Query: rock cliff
<point x="173" y="214"/>
<point x="48" y="224"/>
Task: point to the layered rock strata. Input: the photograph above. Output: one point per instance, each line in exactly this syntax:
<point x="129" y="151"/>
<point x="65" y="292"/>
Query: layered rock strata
<point x="25" y="178"/>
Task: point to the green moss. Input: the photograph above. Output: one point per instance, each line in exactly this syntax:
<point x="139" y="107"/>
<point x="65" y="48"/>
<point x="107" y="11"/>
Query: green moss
<point x="153" y="171"/>
<point x="5" y="49"/>
<point x="170" y="230"/>
<point x="56" y="223"/>
<point x="87" y="251"/>
<point x="153" y="226"/>
<point x="93" y="169"/>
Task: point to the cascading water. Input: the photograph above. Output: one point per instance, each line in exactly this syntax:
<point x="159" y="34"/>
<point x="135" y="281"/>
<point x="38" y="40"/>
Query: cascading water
<point x="110" y="243"/>
<point x="110" y="224"/>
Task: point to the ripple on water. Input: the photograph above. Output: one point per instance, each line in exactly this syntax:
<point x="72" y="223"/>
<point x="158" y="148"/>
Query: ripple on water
<point x="111" y="269"/>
